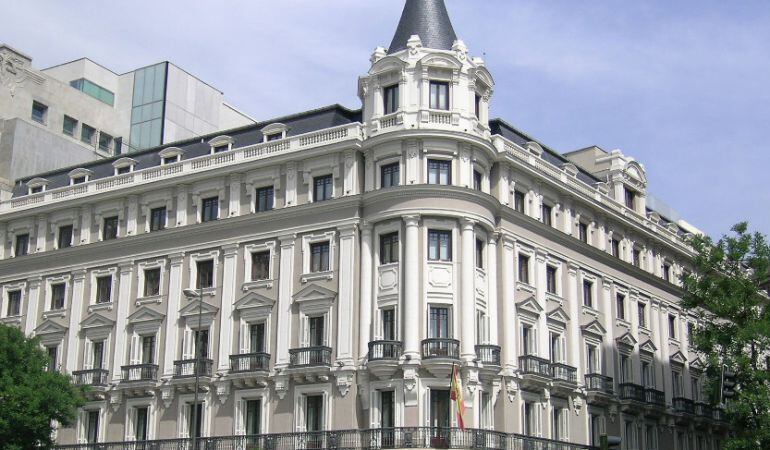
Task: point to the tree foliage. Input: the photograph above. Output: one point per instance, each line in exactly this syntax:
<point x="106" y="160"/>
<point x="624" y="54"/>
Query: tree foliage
<point x="31" y="397"/>
<point x="727" y="289"/>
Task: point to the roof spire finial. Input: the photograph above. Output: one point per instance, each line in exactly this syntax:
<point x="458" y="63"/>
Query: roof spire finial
<point x="428" y="19"/>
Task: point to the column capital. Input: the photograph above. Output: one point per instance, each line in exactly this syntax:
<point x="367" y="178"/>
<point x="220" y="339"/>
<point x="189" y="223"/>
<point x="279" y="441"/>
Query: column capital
<point x="467" y="224"/>
<point x="412" y="220"/>
<point x="366" y="227"/>
<point x="126" y="267"/>
<point x="78" y="274"/>
<point x="176" y="259"/>
<point x="287" y="240"/>
<point x="493" y="238"/>
<point x="230" y="249"/>
<point x="34" y="281"/>
<point x="347" y="230"/>
<point x="509" y="241"/>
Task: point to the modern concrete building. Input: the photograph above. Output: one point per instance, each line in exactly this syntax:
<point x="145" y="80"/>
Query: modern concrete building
<point x="343" y="262"/>
<point x="79" y="112"/>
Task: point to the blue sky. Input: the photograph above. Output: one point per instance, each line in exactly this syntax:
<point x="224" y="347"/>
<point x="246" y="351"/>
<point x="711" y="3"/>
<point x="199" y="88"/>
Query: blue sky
<point x="684" y="87"/>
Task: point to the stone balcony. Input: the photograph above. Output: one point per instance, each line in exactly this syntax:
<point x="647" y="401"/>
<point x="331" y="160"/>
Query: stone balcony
<point x="599" y="389"/>
<point x="535" y="372"/>
<point x="632" y="397"/>
<point x="439" y="355"/>
<point x="383" y="358"/>
<point x="564" y="378"/>
<point x="310" y="363"/>
<point x="249" y="369"/>
<point x="138" y="379"/>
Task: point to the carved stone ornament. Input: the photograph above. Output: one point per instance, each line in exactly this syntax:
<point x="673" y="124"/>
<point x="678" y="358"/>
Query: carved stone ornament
<point x="577" y="404"/>
<point x="414" y="44"/>
<point x="613" y="413"/>
<point x="511" y="388"/>
<point x="281" y="386"/>
<point x="115" y="400"/>
<point x="167" y="396"/>
<point x="410" y="379"/>
<point x="223" y="391"/>
<point x="12" y="76"/>
<point x="344" y="381"/>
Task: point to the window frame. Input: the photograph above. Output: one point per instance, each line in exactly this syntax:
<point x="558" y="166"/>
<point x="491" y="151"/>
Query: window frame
<point x="435" y="100"/>
<point x="436" y="167"/>
<point x="323" y="184"/>
<point x="210" y="210"/>
<point x="43" y="116"/>
<point x="266" y="193"/>
<point x="392" y="242"/>
<point x="440" y="235"/>
<point x="391" y="172"/>
<point x="391" y="99"/>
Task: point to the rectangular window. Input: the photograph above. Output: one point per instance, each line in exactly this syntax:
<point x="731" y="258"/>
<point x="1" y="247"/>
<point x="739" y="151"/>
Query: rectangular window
<point x="123" y="170"/>
<point x="97" y="355"/>
<point x="479" y="254"/>
<point x="158" y="219"/>
<point x="390" y="99"/>
<point x="550" y="279"/>
<point x="558" y="424"/>
<point x="642" y="312"/>
<point x="205" y="274"/>
<point x="439" y="172"/>
<point x="264" y="199"/>
<point x="625" y="369"/>
<point x="319" y="257"/>
<point x="65" y="236"/>
<point x="647" y="378"/>
<point x="524" y="269"/>
<point x="583" y="232"/>
<point x="195" y="419"/>
<point x="105" y="141"/>
<point x="556" y="347"/>
<point x="485" y="411"/>
<point x="221" y="148"/>
<point x="636" y="257"/>
<point x="672" y="327"/>
<point x="253" y="417"/>
<point x="322" y="188"/>
<point x="592" y="356"/>
<point x="477" y="106"/>
<point x="389" y="324"/>
<point x="140" y="426"/>
<point x="518" y="201"/>
<point x="390" y="175"/>
<point x="79" y="180"/>
<point x="69" y="126"/>
<point x="257" y="337"/>
<point x="316" y="331"/>
<point x="439" y="245"/>
<point x="389" y="249"/>
<point x="148" y="349"/>
<point x="110" y="228"/>
<point x="676" y="378"/>
<point x="387" y="416"/>
<point x="87" y="134"/>
<point x="545" y="214"/>
<point x="202" y="339"/>
<point x="260" y="266"/>
<point x="314" y="416"/>
<point x="439" y="95"/>
<point x="209" y="209"/>
<point x="588" y="294"/>
<point x="274" y="136"/>
<point x="94" y="90"/>
<point x="527" y="340"/>
<point x="151" y="282"/>
<point x="58" y="291"/>
<point x="21" y="246"/>
<point x="36" y="189"/>
<point x="620" y="302"/>
<point x="439" y="323"/>
<point x="630" y="198"/>
<point x="529" y="419"/>
<point x="53" y="358"/>
<point x="39" y="112"/>
<point x="104" y="289"/>
<point x="170" y="159"/>
<point x="695" y="388"/>
<point x="14" y="304"/>
<point x="477" y="177"/>
<point x="92" y="427"/>
<point x="667" y="272"/>
<point x="615" y="248"/>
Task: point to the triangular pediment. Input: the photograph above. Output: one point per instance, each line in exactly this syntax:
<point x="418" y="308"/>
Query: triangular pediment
<point x="678" y="358"/>
<point x="558" y="315"/>
<point x="627" y="340"/>
<point x="648" y="347"/>
<point x="697" y="364"/>
<point x="313" y="292"/>
<point x="196" y="307"/>
<point x="49" y="327"/>
<point x="145" y="314"/>
<point x="254" y="300"/>
<point x="529" y="305"/>
<point x="97" y="320"/>
<point x="595" y="328"/>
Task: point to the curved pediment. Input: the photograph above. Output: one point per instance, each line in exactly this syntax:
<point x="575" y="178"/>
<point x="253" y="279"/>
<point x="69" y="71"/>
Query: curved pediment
<point x="170" y="151"/>
<point x="485" y="76"/>
<point x="441" y="60"/>
<point x="37" y="182"/>
<point x="387" y="64"/>
<point x="635" y="171"/>
<point x="80" y="172"/>
<point x="221" y="140"/>
<point x="124" y="162"/>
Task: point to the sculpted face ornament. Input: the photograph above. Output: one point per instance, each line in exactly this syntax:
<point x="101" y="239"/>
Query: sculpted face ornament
<point x="11" y="74"/>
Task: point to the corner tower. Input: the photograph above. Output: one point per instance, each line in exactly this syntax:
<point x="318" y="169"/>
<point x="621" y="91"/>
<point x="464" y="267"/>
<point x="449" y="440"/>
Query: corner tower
<point x="426" y="78"/>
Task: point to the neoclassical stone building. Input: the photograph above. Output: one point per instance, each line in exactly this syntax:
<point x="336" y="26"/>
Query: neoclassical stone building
<point x="346" y="260"/>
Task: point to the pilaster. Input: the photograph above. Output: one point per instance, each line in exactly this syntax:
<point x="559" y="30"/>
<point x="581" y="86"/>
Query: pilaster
<point x="126" y="276"/>
<point x="42" y="233"/>
<point x="492" y="300"/>
<point x="573" y="327"/>
<point x="76" y="310"/>
<point x="132" y="216"/>
<point x="508" y="314"/>
<point x="365" y="308"/>
<point x="285" y="291"/>
<point x="291" y="184"/>
<point x="85" y="225"/>
<point x="172" y="316"/>
<point x="33" y="300"/>
<point x="234" y="204"/>
<point x="181" y="205"/>
<point x="226" y="312"/>
<point x="347" y="263"/>
<point x="467" y="291"/>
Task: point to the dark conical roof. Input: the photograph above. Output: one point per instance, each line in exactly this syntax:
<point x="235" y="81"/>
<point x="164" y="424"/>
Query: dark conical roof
<point x="430" y="20"/>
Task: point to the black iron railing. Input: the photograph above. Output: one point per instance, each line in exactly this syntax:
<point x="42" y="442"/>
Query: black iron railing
<point x="631" y="391"/>
<point x="140" y="372"/>
<point x="718" y="414"/>
<point x="441" y="348"/>
<point x="654" y="397"/>
<point x="383" y="438"/>
<point x="598" y="382"/>
<point x="683" y="405"/>
<point x="563" y="372"/>
<point x="533" y="365"/>
<point x="310" y="357"/>
<point x="384" y="350"/>
<point x="91" y="377"/>
<point x="488" y="354"/>
<point x="703" y="410"/>
<point x="185" y="368"/>
<point x="249" y="362"/>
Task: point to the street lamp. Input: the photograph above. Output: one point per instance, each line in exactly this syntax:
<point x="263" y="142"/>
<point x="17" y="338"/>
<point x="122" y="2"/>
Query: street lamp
<point x="193" y="294"/>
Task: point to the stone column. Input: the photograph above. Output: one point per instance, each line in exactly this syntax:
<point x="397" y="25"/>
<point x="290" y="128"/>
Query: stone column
<point x="285" y="291"/>
<point x="126" y="276"/>
<point x="77" y="302"/>
<point x="229" y="276"/>
<point x="172" y="315"/>
<point x="467" y="291"/>
<point x="508" y="308"/>
<point x="668" y="387"/>
<point x="345" y="306"/>
<point x="33" y="300"/>
<point x="542" y="323"/>
<point x="412" y="303"/>
<point x="492" y="300"/>
<point x="2" y="240"/>
<point x="365" y="311"/>
<point x="656" y="339"/>
<point x="234" y="205"/>
<point x="601" y="236"/>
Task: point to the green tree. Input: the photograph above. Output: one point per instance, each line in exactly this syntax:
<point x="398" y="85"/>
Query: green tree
<point x="31" y="397"/>
<point x="727" y="289"/>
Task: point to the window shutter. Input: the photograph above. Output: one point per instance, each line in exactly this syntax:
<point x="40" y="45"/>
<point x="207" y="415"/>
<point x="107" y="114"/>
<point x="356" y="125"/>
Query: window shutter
<point x="301" y="426"/>
<point x="136" y="349"/>
<point x="189" y="344"/>
<point x="87" y="356"/>
<point x="305" y="331"/>
<point x="539" y="420"/>
<point x="184" y="423"/>
<point x="245" y="338"/>
<point x="240" y="417"/>
<point x="564" y="418"/>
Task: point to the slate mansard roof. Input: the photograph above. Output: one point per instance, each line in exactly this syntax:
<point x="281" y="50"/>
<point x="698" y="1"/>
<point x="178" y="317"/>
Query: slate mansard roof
<point x="428" y="19"/>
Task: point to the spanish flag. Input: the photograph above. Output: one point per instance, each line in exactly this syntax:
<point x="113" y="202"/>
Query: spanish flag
<point x="456" y="394"/>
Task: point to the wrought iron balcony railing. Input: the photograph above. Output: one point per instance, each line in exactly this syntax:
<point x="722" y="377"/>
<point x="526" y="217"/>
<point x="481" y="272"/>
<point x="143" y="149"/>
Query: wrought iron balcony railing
<point x="631" y="391"/>
<point x="385" y="350"/>
<point x="185" y="368"/>
<point x="563" y="372"/>
<point x="718" y="414"/>
<point x="310" y="357"/>
<point x="703" y="410"/>
<point x="91" y="377"/>
<point x="488" y="354"/>
<point x="654" y="397"/>
<point x="140" y="372"/>
<point x="249" y="362"/>
<point x="683" y="405"/>
<point x="440" y="348"/>
<point x="599" y="382"/>
<point x="533" y="365"/>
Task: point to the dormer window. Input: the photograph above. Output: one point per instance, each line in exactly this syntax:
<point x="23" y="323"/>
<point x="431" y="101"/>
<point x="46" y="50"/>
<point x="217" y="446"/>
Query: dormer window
<point x="36" y="190"/>
<point x="630" y="198"/>
<point x="170" y="155"/>
<point x="124" y="165"/>
<point x="221" y="144"/>
<point x="79" y="176"/>
<point x="274" y="132"/>
<point x="477" y="106"/>
<point x="171" y="159"/>
<point x="439" y="95"/>
<point x="273" y="137"/>
<point x="36" y="185"/>
<point x="390" y="99"/>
